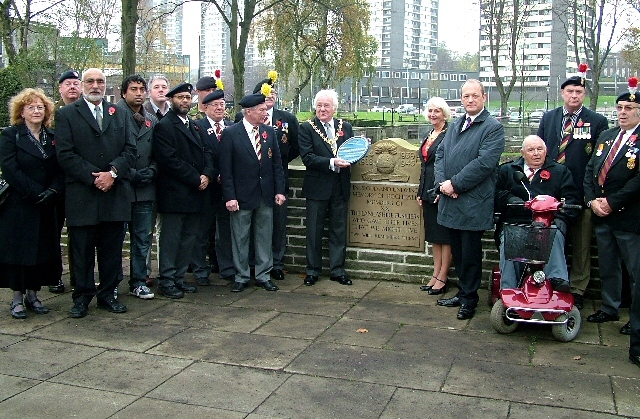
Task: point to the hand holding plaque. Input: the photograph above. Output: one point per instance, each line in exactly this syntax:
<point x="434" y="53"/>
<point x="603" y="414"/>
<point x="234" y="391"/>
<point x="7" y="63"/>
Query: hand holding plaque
<point x="354" y="149"/>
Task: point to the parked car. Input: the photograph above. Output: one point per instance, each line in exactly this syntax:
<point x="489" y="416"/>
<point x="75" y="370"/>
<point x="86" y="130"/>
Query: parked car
<point x="613" y="119"/>
<point x="405" y="108"/>
<point x="496" y="113"/>
<point x="380" y="109"/>
<point x="456" y="111"/>
<point x="515" y="117"/>
<point x="536" y="115"/>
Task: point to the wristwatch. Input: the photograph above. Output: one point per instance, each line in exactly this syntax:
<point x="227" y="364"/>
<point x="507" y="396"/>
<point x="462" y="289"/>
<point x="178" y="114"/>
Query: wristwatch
<point x="589" y="204"/>
<point x="113" y="172"/>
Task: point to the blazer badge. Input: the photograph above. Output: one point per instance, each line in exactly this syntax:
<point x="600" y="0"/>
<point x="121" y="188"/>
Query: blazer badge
<point x="270" y="153"/>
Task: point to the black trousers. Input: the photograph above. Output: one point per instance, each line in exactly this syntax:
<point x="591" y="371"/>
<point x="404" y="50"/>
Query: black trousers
<point x="466" y="248"/>
<point x="106" y="238"/>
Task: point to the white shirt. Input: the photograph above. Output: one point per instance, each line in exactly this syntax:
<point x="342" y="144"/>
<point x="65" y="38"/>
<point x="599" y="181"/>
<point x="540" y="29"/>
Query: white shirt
<point x="249" y="128"/>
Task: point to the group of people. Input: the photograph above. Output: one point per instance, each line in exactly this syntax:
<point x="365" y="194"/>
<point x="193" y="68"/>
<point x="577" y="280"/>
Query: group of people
<point x="209" y="187"/>
<point x="574" y="157"/>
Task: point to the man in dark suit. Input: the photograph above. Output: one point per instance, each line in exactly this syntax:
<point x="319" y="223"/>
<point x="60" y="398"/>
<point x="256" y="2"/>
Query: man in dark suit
<point x="142" y="178"/>
<point x="286" y="127"/>
<point x="327" y="186"/>
<point x="570" y="132"/>
<point x="211" y="128"/>
<point x="612" y="192"/>
<point x="252" y="181"/>
<point x="185" y="169"/>
<point x="96" y="151"/>
<point x="158" y="102"/>
<point x="466" y="170"/>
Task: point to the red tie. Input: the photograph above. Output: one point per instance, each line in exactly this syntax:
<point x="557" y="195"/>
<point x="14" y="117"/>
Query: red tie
<point x="566" y="132"/>
<point x="218" y="130"/>
<point x="609" y="161"/>
<point x="256" y="136"/>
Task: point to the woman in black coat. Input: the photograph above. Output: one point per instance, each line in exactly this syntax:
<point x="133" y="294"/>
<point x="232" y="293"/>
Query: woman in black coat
<point x="30" y="248"/>
<point x="438" y="114"/>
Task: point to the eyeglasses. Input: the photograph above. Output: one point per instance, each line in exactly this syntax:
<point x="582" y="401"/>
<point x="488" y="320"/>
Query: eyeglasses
<point x="216" y="105"/>
<point x="182" y="97"/>
<point x="92" y="81"/>
<point x="627" y="108"/>
<point x="32" y="108"/>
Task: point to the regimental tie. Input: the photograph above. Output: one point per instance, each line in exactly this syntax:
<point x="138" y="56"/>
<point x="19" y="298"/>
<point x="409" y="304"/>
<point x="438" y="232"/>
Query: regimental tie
<point x="602" y="176"/>
<point x="256" y="137"/>
<point x="267" y="120"/>
<point x="531" y="173"/>
<point x="218" y="130"/>
<point x="98" y="115"/>
<point x="328" y="127"/>
<point x="567" y="132"/>
<point x="467" y="124"/>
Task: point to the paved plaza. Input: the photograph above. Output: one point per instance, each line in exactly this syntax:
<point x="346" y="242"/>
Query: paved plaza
<point x="372" y="350"/>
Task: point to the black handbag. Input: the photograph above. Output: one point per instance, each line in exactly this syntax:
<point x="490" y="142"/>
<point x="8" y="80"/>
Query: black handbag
<point x="4" y="190"/>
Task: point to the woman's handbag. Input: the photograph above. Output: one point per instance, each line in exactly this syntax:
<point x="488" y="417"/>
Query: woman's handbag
<point x="4" y="190"/>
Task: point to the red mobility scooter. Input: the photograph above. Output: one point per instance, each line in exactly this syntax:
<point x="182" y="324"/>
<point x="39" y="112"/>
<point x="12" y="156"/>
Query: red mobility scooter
<point x="534" y="301"/>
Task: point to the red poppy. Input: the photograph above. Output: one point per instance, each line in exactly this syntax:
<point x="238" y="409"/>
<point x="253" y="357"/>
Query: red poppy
<point x="278" y="123"/>
<point x="580" y="123"/>
<point x="197" y="127"/>
<point x="112" y="110"/>
<point x="264" y="135"/>
<point x="147" y="123"/>
<point x="545" y="175"/>
<point x="53" y="142"/>
<point x="583" y="68"/>
<point x="633" y="139"/>
<point x="341" y="133"/>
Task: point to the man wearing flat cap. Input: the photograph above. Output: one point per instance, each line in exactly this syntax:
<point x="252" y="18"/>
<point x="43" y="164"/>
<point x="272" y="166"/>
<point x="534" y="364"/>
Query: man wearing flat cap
<point x="204" y="86"/>
<point x="185" y="168"/>
<point x="612" y="192"/>
<point x="570" y="133"/>
<point x="286" y="127"/>
<point x="215" y="213"/>
<point x="252" y="183"/>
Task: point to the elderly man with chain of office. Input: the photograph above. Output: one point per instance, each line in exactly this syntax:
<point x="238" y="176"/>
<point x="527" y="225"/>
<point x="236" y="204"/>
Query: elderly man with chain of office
<point x="570" y="132"/>
<point x="612" y="192"/>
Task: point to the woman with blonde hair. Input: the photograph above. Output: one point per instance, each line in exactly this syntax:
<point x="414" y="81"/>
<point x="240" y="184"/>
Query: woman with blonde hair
<point x="30" y="249"/>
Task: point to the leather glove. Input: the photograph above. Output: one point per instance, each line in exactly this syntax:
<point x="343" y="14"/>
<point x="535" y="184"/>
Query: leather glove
<point x="46" y="197"/>
<point x="147" y="175"/>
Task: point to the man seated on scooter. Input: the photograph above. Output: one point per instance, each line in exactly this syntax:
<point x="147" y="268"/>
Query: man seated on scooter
<point x="518" y="181"/>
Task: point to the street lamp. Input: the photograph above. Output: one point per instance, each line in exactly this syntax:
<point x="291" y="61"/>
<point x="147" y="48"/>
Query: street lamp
<point x="546" y="107"/>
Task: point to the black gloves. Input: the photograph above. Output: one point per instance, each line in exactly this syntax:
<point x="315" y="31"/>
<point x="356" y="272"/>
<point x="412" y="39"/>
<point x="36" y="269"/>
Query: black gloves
<point x="143" y="176"/>
<point x="46" y="197"/>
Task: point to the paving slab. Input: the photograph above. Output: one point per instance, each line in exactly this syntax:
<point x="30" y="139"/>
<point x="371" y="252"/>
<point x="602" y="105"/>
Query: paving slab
<point x="326" y="287"/>
<point x="549" y="386"/>
<point x="61" y="401"/>
<point x="299" y="326"/>
<point x="147" y="408"/>
<point x="406" y="314"/>
<point x="371" y="365"/>
<point x="10" y="385"/>
<point x="220" y="386"/>
<point x="296" y="303"/>
<point x="42" y="359"/>
<point x="401" y="293"/>
<point x="528" y="411"/>
<point x="319" y="397"/>
<point x="418" y="404"/>
<point x="114" y="331"/>
<point x="250" y="350"/>
<point x="7" y="340"/>
<point x="370" y="333"/>
<point x="143" y="373"/>
<point x="627" y="394"/>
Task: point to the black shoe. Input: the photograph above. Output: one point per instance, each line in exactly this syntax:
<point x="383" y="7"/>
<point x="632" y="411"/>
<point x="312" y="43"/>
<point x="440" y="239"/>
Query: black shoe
<point x="450" y="302"/>
<point x="215" y="268"/>
<point x="79" y="310"/>
<point x="560" y="285"/>
<point x="30" y="305"/>
<point x="343" y="279"/>
<point x="309" y="280"/>
<point x="635" y="359"/>
<point x="148" y="281"/>
<point x="238" y="286"/>
<point x="20" y="315"/>
<point x="112" y="305"/>
<point x="602" y="317"/>
<point x="626" y="329"/>
<point x="438" y="291"/>
<point x="268" y="285"/>
<point x="466" y="312"/>
<point x="203" y="282"/>
<point x="277" y="274"/>
<point x="186" y="287"/>
<point x="170" y="292"/>
<point x="578" y="300"/>
<point x="57" y="289"/>
<point x="230" y="278"/>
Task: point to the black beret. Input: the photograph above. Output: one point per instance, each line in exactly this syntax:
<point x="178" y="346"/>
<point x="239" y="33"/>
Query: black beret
<point x="69" y="74"/>
<point x="626" y="96"/>
<point x="573" y="81"/>
<point x="249" y="101"/>
<point x="259" y="85"/>
<point x="181" y="88"/>
<point x="206" y="82"/>
<point x="215" y="95"/>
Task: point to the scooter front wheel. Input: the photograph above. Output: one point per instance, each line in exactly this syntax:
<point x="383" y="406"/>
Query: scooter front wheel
<point x="568" y="331"/>
<point x="499" y="320"/>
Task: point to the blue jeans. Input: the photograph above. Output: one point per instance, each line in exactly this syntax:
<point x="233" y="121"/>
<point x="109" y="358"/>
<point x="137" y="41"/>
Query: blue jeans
<point x="139" y="231"/>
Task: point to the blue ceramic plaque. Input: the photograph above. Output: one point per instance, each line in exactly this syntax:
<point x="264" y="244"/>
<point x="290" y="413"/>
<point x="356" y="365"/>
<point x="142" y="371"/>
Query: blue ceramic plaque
<point x="354" y="149"/>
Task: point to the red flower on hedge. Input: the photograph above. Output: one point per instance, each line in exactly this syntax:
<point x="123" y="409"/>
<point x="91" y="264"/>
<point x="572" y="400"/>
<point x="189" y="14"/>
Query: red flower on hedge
<point x="545" y="175"/>
<point x="264" y="135"/>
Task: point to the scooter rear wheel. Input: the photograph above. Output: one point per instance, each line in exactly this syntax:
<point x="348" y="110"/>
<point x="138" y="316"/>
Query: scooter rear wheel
<point x="568" y="331"/>
<point x="499" y="321"/>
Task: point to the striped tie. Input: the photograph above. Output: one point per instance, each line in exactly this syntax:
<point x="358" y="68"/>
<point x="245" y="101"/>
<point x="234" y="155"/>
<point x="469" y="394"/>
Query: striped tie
<point x="467" y="124"/>
<point x="567" y="133"/>
<point x="218" y="130"/>
<point x="256" y="136"/>
<point x="531" y="173"/>
<point x="602" y="176"/>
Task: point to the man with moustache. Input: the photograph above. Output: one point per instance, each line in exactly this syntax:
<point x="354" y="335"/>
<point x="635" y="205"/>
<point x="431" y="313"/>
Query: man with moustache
<point x="158" y="103"/>
<point x="326" y="187"/>
<point x="466" y="170"/>
<point x="96" y="151"/>
<point x="204" y="86"/>
<point x="612" y="192"/>
<point x="215" y="221"/>
<point x="570" y="132"/>
<point x="286" y="127"/>
<point x="185" y="168"/>
<point x="141" y="176"/>
<point x="252" y="182"/>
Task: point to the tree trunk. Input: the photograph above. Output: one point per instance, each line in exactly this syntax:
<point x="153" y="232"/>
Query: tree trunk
<point x="129" y="22"/>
